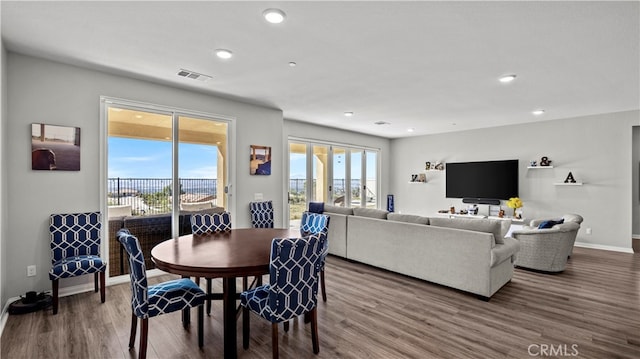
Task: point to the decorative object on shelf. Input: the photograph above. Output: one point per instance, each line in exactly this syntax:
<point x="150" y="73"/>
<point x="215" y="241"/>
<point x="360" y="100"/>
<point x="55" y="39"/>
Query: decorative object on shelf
<point x="473" y="209"/>
<point x="515" y="203"/>
<point x="501" y="213"/>
<point x="545" y="161"/>
<point x="533" y="164"/>
<point x="414" y="178"/>
<point x="422" y="177"/>
<point x="436" y="166"/>
<point x="452" y="210"/>
<point x="570" y="178"/>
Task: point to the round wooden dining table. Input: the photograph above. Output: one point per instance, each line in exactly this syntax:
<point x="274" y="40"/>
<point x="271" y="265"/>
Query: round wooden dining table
<point x="239" y="252"/>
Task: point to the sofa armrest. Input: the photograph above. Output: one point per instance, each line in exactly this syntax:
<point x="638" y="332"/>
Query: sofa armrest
<point x="504" y="251"/>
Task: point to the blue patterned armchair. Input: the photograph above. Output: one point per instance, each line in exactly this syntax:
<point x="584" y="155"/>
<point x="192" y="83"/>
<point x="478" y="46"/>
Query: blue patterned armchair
<point x="313" y="223"/>
<point x="75" y="250"/>
<point x="203" y="224"/>
<point x="261" y="214"/>
<point x="292" y="289"/>
<point x="150" y="301"/>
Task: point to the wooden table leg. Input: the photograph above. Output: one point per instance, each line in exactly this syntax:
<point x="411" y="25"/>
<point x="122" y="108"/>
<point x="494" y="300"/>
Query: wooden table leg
<point x="229" y="308"/>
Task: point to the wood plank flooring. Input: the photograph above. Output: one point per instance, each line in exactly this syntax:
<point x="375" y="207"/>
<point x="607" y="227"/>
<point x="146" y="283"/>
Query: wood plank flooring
<point x="591" y="310"/>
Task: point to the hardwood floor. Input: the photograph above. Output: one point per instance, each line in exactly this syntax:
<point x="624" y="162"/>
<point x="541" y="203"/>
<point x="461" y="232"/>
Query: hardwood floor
<point x="591" y="310"/>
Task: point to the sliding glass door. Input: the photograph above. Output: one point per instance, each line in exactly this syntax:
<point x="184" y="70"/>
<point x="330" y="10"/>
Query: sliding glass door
<point x="159" y="163"/>
<point x="339" y="175"/>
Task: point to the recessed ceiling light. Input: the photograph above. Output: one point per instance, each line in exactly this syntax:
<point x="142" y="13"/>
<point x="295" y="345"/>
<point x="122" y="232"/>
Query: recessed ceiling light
<point x="274" y="16"/>
<point x="410" y="129"/>
<point x="538" y="112"/>
<point x="348" y="114"/>
<point x="292" y="64"/>
<point x="224" y="53"/>
<point x="507" y="78"/>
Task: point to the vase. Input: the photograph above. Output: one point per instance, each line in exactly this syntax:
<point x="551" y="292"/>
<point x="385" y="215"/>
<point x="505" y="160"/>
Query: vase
<point x="514" y="212"/>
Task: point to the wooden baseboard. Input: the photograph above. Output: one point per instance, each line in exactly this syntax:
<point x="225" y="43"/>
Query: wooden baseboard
<point x="603" y="247"/>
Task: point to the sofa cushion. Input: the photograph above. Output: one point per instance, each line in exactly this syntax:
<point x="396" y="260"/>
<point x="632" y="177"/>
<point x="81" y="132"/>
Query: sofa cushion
<point x="370" y="212"/>
<point x="409" y="218"/>
<point x="119" y="211"/>
<point x="210" y="210"/>
<point x="494" y="226"/>
<point x="336" y="209"/>
<point x="196" y="206"/>
<point x="316" y="207"/>
<point x="549" y="223"/>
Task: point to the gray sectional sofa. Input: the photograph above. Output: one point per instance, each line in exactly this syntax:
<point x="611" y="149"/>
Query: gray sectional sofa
<point x="468" y="254"/>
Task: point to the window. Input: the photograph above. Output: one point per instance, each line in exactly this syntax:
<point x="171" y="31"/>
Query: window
<point x="160" y="162"/>
<point x="339" y="175"/>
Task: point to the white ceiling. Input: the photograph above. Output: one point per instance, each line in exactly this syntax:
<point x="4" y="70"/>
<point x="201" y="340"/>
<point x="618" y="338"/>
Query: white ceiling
<point x="432" y="66"/>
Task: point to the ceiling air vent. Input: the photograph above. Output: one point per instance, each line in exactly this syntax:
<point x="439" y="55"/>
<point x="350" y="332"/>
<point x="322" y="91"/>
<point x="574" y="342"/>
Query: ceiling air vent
<point x="194" y="75"/>
<point x="381" y="123"/>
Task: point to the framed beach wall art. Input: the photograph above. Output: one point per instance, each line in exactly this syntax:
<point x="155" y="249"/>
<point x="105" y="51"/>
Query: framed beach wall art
<point x="55" y="147"/>
<point x="260" y="160"/>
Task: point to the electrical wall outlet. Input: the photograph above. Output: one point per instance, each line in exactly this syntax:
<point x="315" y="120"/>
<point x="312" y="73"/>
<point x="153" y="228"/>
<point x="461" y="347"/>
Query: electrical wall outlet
<point x="257" y="197"/>
<point x="31" y="271"/>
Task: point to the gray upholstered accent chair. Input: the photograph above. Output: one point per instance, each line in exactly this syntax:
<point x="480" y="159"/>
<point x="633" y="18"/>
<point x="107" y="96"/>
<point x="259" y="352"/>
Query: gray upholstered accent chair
<point x="547" y="249"/>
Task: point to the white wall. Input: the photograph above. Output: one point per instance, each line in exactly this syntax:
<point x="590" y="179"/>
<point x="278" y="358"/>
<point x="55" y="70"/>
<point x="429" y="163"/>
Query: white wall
<point x="3" y="182"/>
<point x="635" y="196"/>
<point x="596" y="149"/>
<point x="50" y="92"/>
<point x="319" y="133"/>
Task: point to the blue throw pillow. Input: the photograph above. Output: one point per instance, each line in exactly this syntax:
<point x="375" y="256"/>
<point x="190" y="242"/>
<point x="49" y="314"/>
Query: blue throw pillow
<point x="316" y="207"/>
<point x="549" y="224"/>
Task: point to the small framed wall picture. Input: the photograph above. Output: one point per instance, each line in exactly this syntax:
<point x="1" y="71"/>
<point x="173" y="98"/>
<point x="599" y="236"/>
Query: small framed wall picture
<point x="55" y="147"/>
<point x="260" y="160"/>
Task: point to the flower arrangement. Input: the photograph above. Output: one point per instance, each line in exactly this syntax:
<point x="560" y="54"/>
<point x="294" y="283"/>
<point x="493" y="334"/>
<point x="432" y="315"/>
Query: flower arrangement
<point x="515" y="203"/>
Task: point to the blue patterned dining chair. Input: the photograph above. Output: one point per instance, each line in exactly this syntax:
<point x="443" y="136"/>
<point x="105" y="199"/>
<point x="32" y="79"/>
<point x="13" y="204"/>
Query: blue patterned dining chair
<point x="203" y="224"/>
<point x="261" y="214"/>
<point x="75" y="250"/>
<point x="292" y="289"/>
<point x="150" y="301"/>
<point x="313" y="223"/>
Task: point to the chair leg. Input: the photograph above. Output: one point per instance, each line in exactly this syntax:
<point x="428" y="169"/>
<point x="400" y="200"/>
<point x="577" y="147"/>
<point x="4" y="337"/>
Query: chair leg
<point x="314" y="331"/>
<point x="200" y="326"/>
<point x="274" y="340"/>
<point x="95" y="281"/>
<point x="324" y="290"/>
<point x="208" y="296"/>
<point x="54" y="285"/>
<point x="144" y="332"/>
<point x="286" y="325"/>
<point x="246" y="322"/>
<point x="102" y="286"/>
<point x="134" y="325"/>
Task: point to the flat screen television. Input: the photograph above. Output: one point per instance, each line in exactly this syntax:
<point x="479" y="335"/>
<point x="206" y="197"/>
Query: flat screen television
<point x="478" y="182"/>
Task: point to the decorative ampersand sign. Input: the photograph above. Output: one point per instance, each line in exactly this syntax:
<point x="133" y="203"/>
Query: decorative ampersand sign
<point x="544" y="161"/>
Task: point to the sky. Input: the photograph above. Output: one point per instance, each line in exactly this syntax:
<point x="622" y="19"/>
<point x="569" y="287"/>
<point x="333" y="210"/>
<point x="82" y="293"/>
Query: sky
<point x="135" y="158"/>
